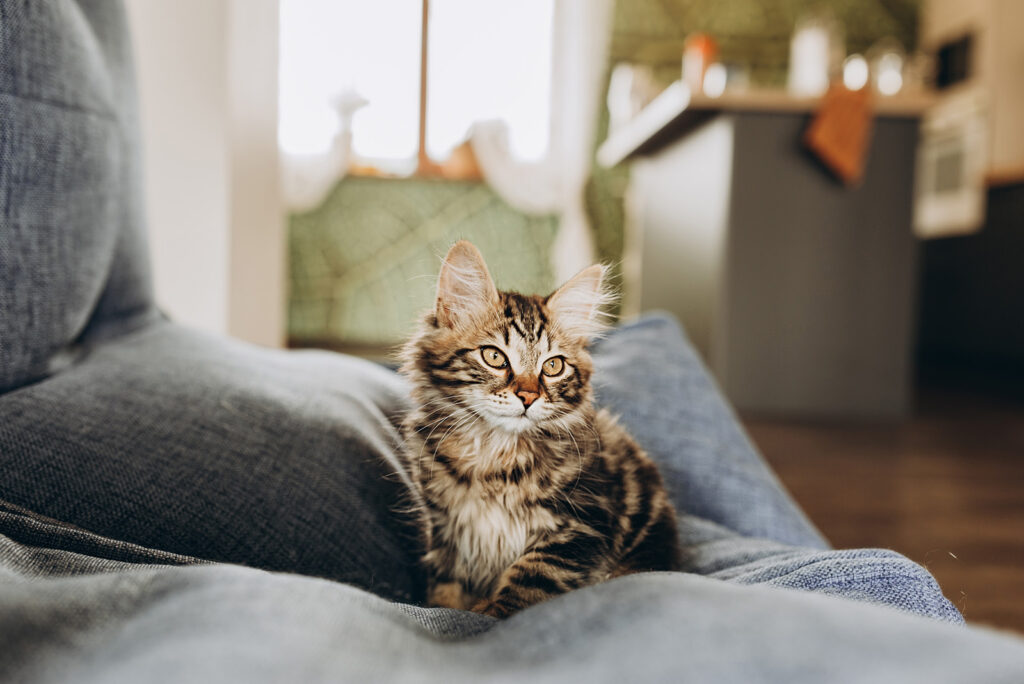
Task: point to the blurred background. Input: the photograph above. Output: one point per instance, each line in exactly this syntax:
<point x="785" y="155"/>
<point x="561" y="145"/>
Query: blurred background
<point x="828" y="194"/>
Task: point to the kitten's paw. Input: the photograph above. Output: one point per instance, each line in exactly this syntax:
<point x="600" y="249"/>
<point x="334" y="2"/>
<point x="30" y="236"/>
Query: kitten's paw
<point x="492" y="608"/>
<point x="449" y="595"/>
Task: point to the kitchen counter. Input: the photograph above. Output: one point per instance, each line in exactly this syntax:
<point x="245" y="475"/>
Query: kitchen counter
<point x="677" y="110"/>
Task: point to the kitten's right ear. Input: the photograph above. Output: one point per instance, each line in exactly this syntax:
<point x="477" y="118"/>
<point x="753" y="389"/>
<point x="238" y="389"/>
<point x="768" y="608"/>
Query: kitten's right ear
<point x="465" y="289"/>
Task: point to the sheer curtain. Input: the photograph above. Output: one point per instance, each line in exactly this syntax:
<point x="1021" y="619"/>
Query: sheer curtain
<point x="349" y="75"/>
<point x="581" y="31"/>
<point x="344" y="81"/>
<point x="307" y="175"/>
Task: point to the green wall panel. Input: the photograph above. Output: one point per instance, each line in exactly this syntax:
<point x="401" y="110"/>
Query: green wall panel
<point x="363" y="265"/>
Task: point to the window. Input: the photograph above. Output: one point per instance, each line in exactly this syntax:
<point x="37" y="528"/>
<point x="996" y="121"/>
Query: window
<point x="485" y="59"/>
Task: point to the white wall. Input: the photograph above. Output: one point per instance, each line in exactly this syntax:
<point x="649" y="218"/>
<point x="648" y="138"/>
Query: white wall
<point x="207" y="73"/>
<point x="257" y="284"/>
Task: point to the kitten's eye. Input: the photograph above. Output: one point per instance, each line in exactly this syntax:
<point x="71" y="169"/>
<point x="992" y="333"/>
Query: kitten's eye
<point x="553" y="366"/>
<point x="493" y="357"/>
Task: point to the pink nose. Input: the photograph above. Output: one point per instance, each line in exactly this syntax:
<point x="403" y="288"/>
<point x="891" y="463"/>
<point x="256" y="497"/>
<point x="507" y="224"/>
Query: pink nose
<point x="527" y="397"/>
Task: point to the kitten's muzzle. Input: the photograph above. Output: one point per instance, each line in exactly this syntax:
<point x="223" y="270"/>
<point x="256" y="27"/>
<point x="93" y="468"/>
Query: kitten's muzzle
<point x="527" y="397"/>
<point x="527" y="389"/>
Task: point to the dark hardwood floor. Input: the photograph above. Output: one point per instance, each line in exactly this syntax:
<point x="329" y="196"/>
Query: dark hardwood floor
<point x="945" y="488"/>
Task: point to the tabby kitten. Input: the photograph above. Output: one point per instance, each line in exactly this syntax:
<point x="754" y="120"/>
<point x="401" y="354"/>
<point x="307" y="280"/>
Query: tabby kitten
<point x="525" y="489"/>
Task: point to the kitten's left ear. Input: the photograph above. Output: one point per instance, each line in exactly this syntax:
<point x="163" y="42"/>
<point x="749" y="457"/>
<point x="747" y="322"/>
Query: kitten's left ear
<point x="576" y="306"/>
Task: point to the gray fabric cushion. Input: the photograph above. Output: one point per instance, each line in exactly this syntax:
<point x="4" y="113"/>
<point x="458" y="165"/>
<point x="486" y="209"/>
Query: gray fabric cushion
<point x="650" y="375"/>
<point x="204" y="446"/>
<point x="72" y="251"/>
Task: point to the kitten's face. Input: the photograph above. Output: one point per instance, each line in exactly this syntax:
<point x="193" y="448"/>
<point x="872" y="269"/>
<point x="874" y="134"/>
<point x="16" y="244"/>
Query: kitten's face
<point x="508" y="361"/>
<point x="517" y="370"/>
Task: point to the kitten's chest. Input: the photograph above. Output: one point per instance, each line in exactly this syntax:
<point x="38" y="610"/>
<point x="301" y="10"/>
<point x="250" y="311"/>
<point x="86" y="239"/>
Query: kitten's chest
<point x="487" y="519"/>
<point x="487" y="533"/>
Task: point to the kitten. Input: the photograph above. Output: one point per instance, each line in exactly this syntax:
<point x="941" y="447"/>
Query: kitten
<point x="526" y="490"/>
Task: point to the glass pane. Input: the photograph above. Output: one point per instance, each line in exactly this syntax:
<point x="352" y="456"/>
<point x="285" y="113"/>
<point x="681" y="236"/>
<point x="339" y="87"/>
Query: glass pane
<point x="333" y="47"/>
<point x="489" y="60"/>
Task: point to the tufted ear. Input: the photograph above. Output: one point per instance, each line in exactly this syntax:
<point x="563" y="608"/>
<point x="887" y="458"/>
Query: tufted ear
<point x="465" y="289"/>
<point x="576" y="306"/>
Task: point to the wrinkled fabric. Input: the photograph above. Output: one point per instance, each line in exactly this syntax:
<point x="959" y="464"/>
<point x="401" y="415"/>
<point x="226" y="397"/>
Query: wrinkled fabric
<point x="202" y="446"/>
<point x="232" y="624"/>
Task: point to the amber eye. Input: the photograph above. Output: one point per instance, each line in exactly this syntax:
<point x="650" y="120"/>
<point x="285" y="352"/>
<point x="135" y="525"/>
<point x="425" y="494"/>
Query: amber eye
<point x="553" y="366"/>
<point x="493" y="357"/>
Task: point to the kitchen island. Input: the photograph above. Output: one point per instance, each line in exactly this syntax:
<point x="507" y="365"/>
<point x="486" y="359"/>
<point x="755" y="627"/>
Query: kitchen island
<point x="798" y="290"/>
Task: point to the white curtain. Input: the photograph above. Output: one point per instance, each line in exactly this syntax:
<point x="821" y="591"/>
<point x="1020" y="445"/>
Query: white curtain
<point x="530" y="187"/>
<point x="582" y="29"/>
<point x="580" y="34"/>
<point x="307" y="178"/>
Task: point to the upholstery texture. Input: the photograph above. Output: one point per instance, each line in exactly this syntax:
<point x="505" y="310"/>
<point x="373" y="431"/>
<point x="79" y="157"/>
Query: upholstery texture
<point x="72" y="249"/>
<point x="68" y="616"/>
<point x="207" y="447"/>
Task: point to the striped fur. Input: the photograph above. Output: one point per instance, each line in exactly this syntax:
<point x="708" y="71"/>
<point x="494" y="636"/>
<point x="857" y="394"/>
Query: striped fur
<point x="525" y="489"/>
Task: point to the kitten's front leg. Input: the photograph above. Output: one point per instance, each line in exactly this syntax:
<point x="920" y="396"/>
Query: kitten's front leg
<point x="442" y="590"/>
<point x="550" y="569"/>
<point x="449" y="595"/>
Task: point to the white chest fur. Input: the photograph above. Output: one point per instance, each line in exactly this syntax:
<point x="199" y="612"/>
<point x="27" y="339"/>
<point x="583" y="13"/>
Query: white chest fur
<point x="489" y="534"/>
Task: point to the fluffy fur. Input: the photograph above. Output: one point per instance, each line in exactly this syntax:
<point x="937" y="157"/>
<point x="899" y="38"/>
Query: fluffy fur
<point x="525" y="490"/>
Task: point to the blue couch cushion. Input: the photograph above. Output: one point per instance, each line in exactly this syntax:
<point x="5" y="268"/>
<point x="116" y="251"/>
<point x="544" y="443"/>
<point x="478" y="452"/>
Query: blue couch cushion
<point x="207" y="447"/>
<point x="73" y="257"/>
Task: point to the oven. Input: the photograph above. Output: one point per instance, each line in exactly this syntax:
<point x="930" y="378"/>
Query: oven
<point x="950" y="186"/>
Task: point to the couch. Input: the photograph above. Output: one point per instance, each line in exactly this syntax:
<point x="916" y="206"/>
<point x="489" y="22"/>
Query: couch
<point x="179" y="506"/>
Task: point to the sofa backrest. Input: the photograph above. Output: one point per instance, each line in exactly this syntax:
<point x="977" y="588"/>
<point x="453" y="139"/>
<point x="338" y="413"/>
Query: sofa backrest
<point x="73" y="258"/>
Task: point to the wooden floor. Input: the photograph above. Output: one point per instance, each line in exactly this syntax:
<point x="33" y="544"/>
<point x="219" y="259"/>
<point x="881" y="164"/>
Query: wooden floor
<point x="945" y="488"/>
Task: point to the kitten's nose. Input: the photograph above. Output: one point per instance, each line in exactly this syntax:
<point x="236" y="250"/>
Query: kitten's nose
<point x="527" y="397"/>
